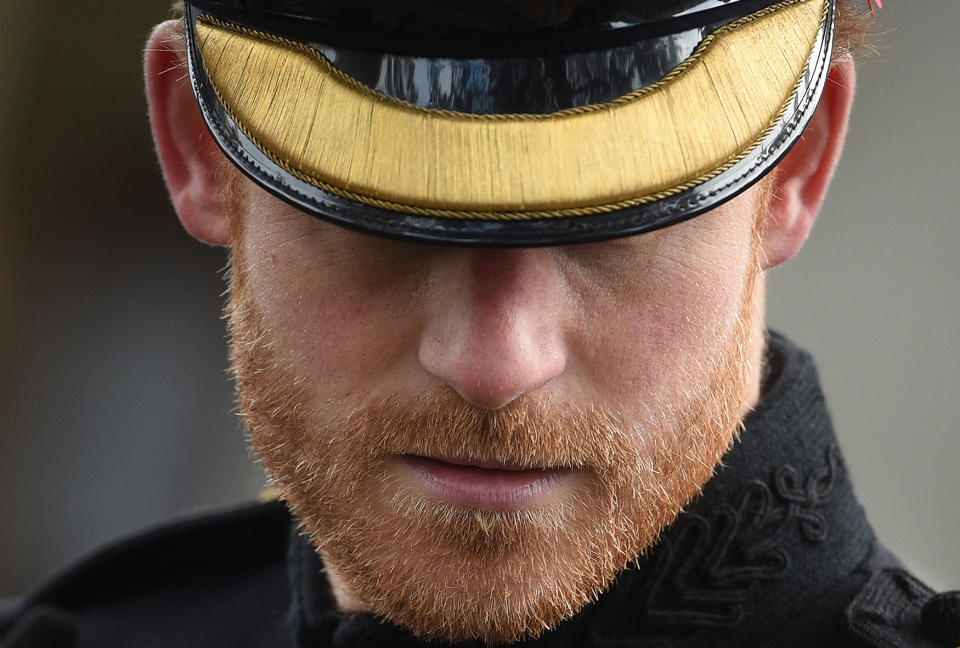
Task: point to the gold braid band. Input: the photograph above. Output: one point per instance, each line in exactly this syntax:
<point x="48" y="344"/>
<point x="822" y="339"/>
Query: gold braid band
<point x="329" y="130"/>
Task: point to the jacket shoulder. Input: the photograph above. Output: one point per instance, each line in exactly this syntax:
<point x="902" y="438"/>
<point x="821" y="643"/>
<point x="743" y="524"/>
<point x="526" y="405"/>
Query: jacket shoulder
<point x="168" y="583"/>
<point x="895" y="610"/>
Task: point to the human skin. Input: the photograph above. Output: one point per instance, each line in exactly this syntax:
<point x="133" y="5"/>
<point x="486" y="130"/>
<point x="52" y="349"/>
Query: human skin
<point x="631" y="325"/>
<point x="583" y="359"/>
<point x="356" y="361"/>
<point x="606" y="322"/>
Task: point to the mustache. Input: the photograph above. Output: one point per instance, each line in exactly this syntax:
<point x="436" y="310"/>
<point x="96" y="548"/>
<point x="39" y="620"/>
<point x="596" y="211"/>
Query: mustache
<point x="526" y="433"/>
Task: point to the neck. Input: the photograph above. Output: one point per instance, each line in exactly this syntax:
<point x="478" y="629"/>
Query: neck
<point x="756" y="347"/>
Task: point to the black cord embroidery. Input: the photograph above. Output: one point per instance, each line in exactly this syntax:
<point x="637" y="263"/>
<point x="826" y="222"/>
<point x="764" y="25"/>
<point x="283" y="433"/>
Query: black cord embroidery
<point x="805" y="498"/>
<point x="707" y="567"/>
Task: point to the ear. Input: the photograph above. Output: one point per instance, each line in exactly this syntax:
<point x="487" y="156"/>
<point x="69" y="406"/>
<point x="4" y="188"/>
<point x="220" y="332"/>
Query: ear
<point x="803" y="176"/>
<point x="188" y="154"/>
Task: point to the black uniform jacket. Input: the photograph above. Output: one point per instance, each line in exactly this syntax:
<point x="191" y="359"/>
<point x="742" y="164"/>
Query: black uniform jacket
<point x="776" y="553"/>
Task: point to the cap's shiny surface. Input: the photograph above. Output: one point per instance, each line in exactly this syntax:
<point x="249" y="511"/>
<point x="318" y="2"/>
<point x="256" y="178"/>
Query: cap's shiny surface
<point x="488" y="30"/>
<point x="379" y="192"/>
<point x="476" y="18"/>
<point x="528" y="84"/>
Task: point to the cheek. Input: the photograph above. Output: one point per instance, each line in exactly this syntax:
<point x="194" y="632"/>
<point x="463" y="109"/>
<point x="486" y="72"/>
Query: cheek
<point x="331" y="325"/>
<point x="669" y="321"/>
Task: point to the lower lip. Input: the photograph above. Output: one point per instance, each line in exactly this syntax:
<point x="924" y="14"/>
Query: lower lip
<point x="486" y="488"/>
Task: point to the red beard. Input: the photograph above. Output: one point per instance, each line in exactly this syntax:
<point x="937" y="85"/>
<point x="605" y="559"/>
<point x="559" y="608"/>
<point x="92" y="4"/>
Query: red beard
<point x="454" y="573"/>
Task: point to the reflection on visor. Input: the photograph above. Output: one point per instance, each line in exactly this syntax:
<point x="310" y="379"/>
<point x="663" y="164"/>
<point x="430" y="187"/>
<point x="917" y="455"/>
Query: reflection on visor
<point x="533" y="84"/>
<point x="491" y="72"/>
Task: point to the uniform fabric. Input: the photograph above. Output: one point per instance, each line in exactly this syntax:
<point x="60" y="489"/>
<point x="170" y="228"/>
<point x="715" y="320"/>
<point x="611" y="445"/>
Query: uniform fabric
<point x="776" y="552"/>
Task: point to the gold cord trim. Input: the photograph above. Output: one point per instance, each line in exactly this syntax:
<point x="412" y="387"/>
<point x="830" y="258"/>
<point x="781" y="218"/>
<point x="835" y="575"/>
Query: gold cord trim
<point x="516" y="214"/>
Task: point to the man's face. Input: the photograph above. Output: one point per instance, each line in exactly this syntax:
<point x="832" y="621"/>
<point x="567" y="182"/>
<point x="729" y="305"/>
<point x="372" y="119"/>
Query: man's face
<point x="477" y="441"/>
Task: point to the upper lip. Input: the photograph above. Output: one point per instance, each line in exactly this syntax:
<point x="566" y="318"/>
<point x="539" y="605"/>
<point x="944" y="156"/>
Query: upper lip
<point x="486" y="464"/>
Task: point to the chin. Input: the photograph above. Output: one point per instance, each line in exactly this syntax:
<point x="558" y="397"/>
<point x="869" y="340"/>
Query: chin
<point x="455" y="574"/>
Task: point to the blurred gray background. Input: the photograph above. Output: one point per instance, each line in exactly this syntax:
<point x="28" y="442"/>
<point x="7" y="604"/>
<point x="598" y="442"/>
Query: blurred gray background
<point x="114" y="408"/>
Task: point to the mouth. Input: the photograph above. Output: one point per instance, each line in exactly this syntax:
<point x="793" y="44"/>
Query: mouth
<point x="485" y="484"/>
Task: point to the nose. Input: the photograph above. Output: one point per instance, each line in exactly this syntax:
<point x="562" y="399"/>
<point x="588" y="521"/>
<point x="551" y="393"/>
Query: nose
<point x="495" y="324"/>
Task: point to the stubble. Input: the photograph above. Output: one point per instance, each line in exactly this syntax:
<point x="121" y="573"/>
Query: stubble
<point x="455" y="573"/>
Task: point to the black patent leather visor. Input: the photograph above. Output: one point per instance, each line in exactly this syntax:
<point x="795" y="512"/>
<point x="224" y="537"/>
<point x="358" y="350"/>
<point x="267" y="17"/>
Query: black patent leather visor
<point x="512" y="123"/>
